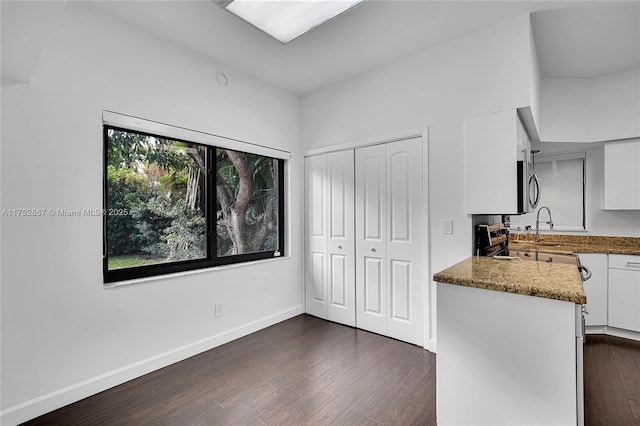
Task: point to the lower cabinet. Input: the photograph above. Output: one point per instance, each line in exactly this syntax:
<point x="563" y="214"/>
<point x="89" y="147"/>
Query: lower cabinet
<point x="596" y="288"/>
<point x="507" y="359"/>
<point x="624" y="292"/>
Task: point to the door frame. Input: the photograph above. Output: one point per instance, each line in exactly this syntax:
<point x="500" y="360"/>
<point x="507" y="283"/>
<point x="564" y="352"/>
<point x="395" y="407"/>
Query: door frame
<point x="429" y="286"/>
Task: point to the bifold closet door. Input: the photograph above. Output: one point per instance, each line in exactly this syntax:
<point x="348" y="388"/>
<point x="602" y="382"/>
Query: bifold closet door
<point x="371" y="239"/>
<point x="341" y="238"/>
<point x="388" y="240"/>
<point x="330" y="269"/>
<point x="316" y="236"/>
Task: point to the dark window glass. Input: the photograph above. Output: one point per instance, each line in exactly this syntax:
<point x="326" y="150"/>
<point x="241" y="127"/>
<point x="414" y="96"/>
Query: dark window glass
<point x="174" y="205"/>
<point x="155" y="200"/>
<point x="247" y="203"/>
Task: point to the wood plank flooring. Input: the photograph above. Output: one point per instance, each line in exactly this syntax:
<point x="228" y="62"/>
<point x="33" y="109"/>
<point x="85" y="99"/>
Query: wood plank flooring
<point x="309" y="371"/>
<point x="611" y="381"/>
<point x="301" y="371"/>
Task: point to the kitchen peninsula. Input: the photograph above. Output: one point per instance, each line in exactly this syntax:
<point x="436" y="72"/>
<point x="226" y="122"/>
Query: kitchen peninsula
<point x="509" y="343"/>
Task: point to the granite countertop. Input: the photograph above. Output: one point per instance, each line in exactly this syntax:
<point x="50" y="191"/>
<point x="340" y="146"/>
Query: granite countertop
<point x="577" y="243"/>
<point x="541" y="279"/>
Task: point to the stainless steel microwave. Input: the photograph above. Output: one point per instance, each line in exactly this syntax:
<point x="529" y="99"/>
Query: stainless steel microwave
<point x="528" y="188"/>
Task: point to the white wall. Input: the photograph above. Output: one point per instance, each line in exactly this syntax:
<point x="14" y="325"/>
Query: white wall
<point x="483" y="72"/>
<point x="63" y="335"/>
<point x="535" y="83"/>
<point x="590" y="110"/>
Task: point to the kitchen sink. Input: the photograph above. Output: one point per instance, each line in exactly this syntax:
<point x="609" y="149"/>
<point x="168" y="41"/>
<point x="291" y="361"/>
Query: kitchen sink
<point x="540" y="243"/>
<point x="544" y="256"/>
<point x="555" y="247"/>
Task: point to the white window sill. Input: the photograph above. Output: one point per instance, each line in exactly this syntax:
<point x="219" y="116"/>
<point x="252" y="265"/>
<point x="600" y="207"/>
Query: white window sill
<point x="192" y="272"/>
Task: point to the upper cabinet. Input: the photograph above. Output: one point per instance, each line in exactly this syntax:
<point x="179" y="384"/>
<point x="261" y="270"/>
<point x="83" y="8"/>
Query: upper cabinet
<point x="622" y="175"/>
<point x="497" y="151"/>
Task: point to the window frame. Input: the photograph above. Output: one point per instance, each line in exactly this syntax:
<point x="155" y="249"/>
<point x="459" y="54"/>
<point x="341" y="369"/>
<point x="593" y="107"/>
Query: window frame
<point x="211" y="260"/>
<point x="519" y="222"/>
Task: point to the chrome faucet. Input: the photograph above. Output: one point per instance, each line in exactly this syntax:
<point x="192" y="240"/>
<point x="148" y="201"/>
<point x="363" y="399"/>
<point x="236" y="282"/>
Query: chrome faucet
<point x="550" y="222"/>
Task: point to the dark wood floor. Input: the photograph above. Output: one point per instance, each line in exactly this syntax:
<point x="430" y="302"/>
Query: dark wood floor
<point x="302" y="371"/>
<point x="309" y="371"/>
<point x="611" y="381"/>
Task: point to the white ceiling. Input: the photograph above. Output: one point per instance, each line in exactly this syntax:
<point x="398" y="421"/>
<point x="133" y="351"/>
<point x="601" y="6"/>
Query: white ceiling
<point x="574" y="38"/>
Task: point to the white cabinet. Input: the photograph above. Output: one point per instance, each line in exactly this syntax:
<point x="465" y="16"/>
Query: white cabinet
<point x="494" y="143"/>
<point x="622" y="175"/>
<point x="596" y="288"/>
<point x="507" y="359"/>
<point x="329" y="229"/>
<point x="624" y="292"/>
<point x="389" y="240"/>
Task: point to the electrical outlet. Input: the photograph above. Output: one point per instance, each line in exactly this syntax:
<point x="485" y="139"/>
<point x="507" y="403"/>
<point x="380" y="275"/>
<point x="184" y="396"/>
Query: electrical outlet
<point x="447" y="226"/>
<point x="219" y="309"/>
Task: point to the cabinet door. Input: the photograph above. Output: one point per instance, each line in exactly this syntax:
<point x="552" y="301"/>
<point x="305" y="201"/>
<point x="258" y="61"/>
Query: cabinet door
<point x="371" y="239"/>
<point x="491" y="155"/>
<point x="624" y="299"/>
<point x="341" y="233"/>
<point x="596" y="288"/>
<point x="316" y="236"/>
<point x="622" y="175"/>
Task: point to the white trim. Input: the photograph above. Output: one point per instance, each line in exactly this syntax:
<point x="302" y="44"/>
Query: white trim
<point x="618" y="332"/>
<point x="431" y="346"/>
<point x="429" y="302"/>
<point x="143" y="280"/>
<point x="594" y="329"/>
<point x="135" y="123"/>
<point x="612" y="331"/>
<point x="548" y="157"/>
<point x="59" y="398"/>
<point x="428" y="296"/>
<point x="361" y="143"/>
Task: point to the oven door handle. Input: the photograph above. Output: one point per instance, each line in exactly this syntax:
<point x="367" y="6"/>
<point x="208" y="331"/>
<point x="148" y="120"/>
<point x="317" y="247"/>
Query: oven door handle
<point x="585" y="272"/>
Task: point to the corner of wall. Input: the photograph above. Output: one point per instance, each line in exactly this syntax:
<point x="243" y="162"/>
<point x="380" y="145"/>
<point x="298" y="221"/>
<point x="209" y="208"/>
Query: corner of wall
<point x="535" y="78"/>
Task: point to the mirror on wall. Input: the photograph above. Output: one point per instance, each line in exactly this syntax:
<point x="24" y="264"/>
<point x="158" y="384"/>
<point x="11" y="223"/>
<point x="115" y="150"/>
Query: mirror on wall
<point x="562" y="180"/>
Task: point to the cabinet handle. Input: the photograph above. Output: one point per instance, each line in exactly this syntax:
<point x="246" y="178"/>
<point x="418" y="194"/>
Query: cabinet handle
<point x="633" y="263"/>
<point x="373" y="249"/>
<point x="339" y="247"/>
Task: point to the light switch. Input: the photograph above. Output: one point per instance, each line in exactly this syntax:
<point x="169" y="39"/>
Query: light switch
<point x="447" y="226"/>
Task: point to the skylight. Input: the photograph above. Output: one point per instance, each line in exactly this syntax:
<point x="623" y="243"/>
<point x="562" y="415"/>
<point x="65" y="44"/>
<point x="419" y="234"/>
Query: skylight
<point x="285" y="20"/>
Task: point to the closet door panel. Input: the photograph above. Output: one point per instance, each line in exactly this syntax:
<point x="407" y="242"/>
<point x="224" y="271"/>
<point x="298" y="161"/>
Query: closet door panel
<point x="338" y="280"/>
<point x="373" y="192"/>
<point x="317" y="290"/>
<point x="400" y="201"/>
<point x="341" y="235"/>
<point x="316" y="233"/>
<point x="400" y="290"/>
<point x="371" y="230"/>
<point x="373" y="289"/>
<point x="404" y="183"/>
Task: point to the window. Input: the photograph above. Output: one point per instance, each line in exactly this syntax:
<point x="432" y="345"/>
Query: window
<point x="562" y="184"/>
<point x="174" y="205"/>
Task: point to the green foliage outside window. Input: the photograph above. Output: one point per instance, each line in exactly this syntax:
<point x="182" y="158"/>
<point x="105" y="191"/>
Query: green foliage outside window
<point x="155" y="190"/>
<point x="156" y="195"/>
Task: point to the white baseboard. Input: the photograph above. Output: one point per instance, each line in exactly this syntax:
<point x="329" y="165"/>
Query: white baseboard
<point x="618" y="332"/>
<point x="612" y="331"/>
<point x="431" y="346"/>
<point x="59" y="398"/>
